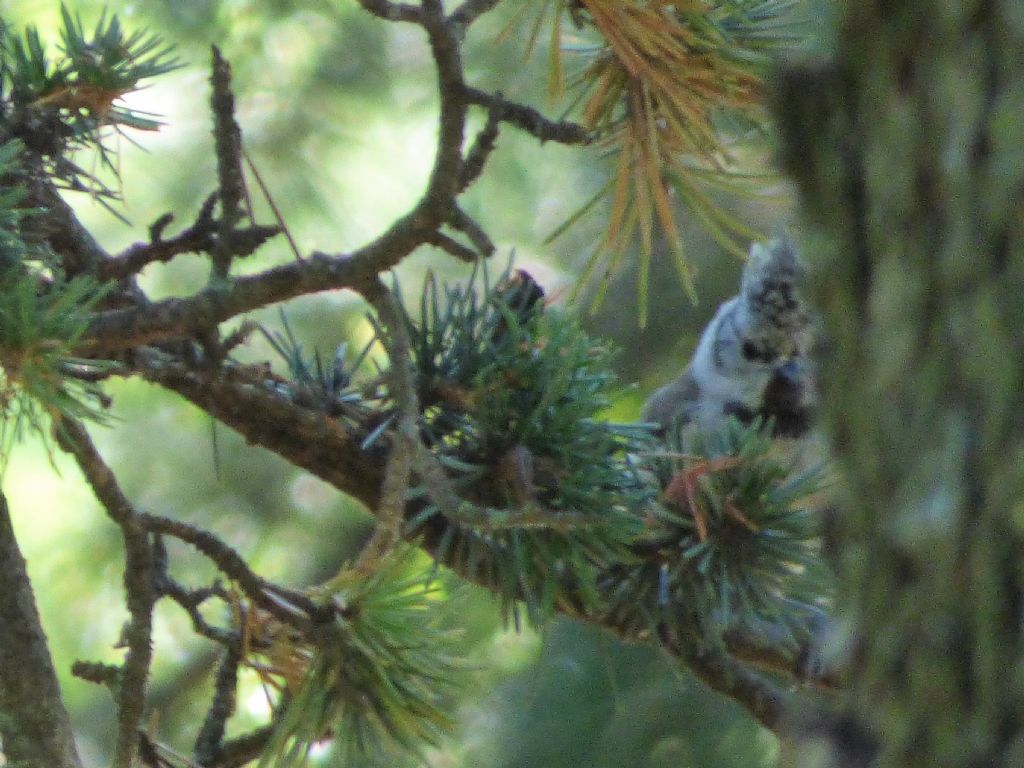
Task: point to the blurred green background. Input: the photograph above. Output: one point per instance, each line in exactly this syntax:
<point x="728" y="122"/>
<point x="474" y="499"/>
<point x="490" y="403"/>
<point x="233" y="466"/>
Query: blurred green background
<point x="338" y="114"/>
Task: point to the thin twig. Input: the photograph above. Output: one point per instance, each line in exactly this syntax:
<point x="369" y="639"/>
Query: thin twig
<point x="138" y="581"/>
<point x="293" y="608"/>
<point x="463" y="222"/>
<point x="209" y="742"/>
<point x="265" y="191"/>
<point x="470" y="11"/>
<point x="97" y="672"/>
<point x="483" y="145"/>
<point x="228" y="146"/>
<point x="529" y="119"/>
<point x="405" y="437"/>
<point x="445" y="46"/>
<point x="189" y="599"/>
<point x="200" y="237"/>
<point x="197" y="238"/>
<point x="391" y="11"/>
<point x="452" y="246"/>
<point x="243" y="749"/>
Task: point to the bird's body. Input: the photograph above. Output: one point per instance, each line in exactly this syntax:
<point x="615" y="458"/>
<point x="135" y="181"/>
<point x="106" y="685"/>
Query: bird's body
<point x="752" y="358"/>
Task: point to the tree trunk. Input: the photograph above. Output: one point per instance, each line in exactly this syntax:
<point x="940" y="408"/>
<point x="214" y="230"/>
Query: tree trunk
<point x="908" y="149"/>
<point x="34" y="724"/>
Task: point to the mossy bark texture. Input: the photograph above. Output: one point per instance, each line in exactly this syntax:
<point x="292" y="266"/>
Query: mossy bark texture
<point x="908" y="150"/>
<point x="34" y="725"/>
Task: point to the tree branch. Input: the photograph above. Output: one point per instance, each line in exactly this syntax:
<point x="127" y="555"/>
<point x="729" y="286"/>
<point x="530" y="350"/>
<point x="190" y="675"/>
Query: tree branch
<point x="200" y="237"/>
<point x="483" y="145"/>
<point x="273" y="412"/>
<point x="293" y="608"/>
<point x="189" y="599"/>
<point x="470" y="11"/>
<point x="228" y="143"/>
<point x="528" y="119"/>
<point x="391" y="11"/>
<point x="722" y="673"/>
<point x="34" y="724"/>
<point x="405" y="438"/>
<point x="209" y="742"/>
<point x="138" y="582"/>
<point x="277" y="417"/>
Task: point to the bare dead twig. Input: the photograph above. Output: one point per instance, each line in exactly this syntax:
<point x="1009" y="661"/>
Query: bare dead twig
<point x="189" y="599"/>
<point x="392" y="11"/>
<point x="231" y="179"/>
<point x="405" y="437"/>
<point x="452" y="247"/>
<point x="199" y="237"/>
<point x="463" y="222"/>
<point x="210" y="741"/>
<point x="293" y="608"/>
<point x="470" y="11"/>
<point x="529" y="119"/>
<point x="483" y="145"/>
<point x="138" y="581"/>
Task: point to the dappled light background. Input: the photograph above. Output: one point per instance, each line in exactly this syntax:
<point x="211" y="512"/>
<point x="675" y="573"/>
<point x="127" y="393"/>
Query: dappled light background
<point x="338" y="114"/>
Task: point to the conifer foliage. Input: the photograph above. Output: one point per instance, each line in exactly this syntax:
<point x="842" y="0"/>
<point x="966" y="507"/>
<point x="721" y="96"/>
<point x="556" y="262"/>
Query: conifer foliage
<point x="482" y="440"/>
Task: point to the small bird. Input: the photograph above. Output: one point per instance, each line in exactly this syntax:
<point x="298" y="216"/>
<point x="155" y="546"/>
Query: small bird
<point x="752" y="357"/>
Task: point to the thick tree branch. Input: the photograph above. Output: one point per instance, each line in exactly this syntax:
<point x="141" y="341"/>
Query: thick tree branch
<point x="765" y="700"/>
<point x="278" y="417"/>
<point x="34" y="724"/>
<point x="271" y="416"/>
<point x="125" y="328"/>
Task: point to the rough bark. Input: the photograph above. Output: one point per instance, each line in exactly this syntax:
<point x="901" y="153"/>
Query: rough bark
<point x="34" y="724"/>
<point x="907" y="149"/>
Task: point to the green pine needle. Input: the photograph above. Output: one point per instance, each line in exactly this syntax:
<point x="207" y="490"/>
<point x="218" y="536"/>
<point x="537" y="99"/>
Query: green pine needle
<point x="42" y="317"/>
<point x="513" y="398"/>
<point x="669" y="93"/>
<point x="759" y="551"/>
<point x="64" y="102"/>
<point x="382" y="676"/>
